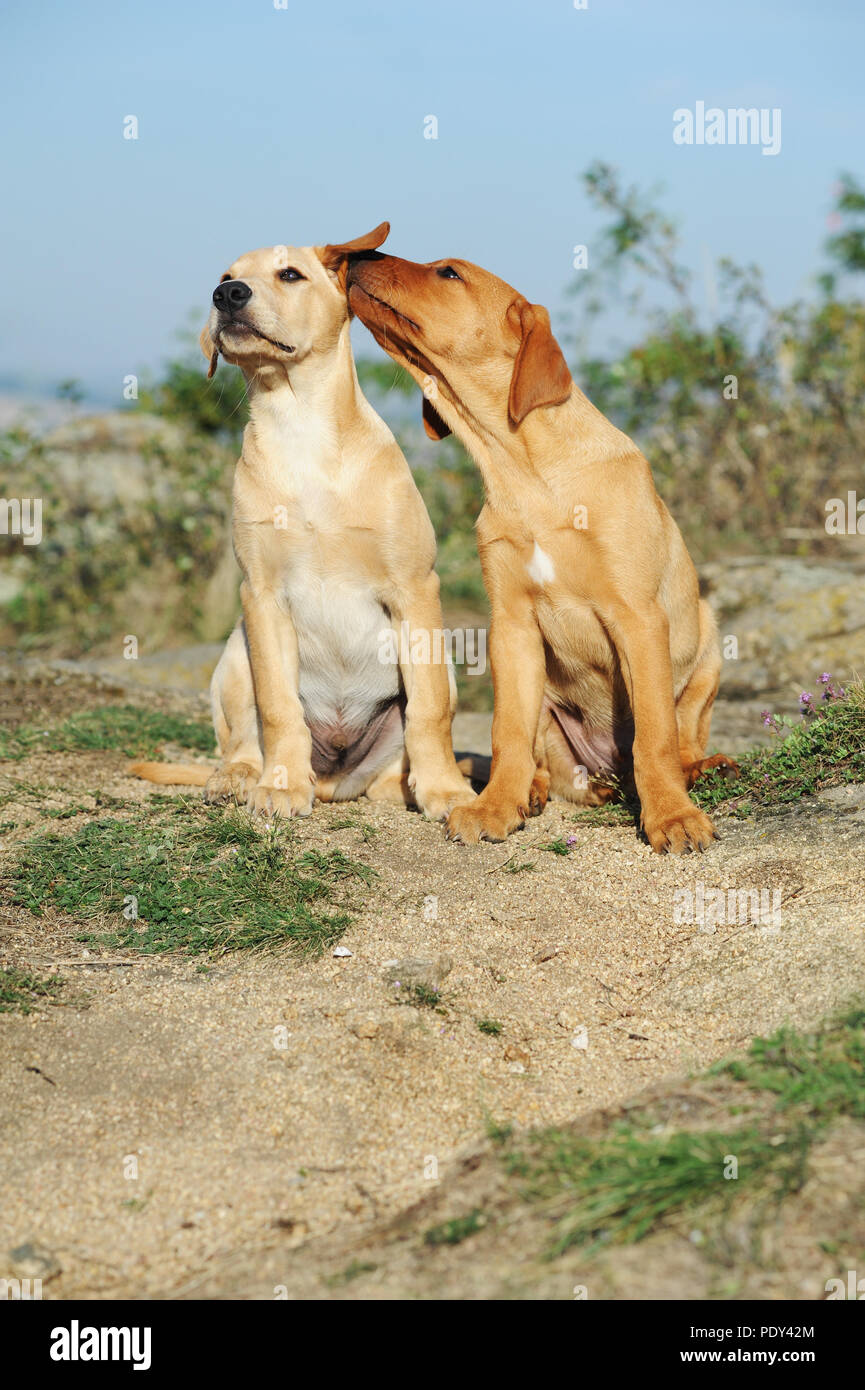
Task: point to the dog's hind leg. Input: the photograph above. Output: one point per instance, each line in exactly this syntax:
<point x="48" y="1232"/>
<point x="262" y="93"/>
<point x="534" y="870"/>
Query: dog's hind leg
<point x="235" y="720"/>
<point x="391" y="784"/>
<point x="694" y="706"/>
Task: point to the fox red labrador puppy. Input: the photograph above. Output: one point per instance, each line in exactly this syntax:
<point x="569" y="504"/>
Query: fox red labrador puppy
<point x="605" y="660"/>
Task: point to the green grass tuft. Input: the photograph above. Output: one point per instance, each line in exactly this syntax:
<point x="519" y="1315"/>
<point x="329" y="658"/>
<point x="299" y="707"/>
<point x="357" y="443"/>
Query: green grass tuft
<point x="421" y="996"/>
<point x="21" y="993"/>
<point x="120" y="728"/>
<point x="822" y="1071"/>
<point x="368" y="833"/>
<point x="559" y="846"/>
<point x="823" y="749"/>
<point x="353" y="1270"/>
<point x="456" y="1230"/>
<point x="616" y="1190"/>
<point x="619" y="1188"/>
<point x="197" y="881"/>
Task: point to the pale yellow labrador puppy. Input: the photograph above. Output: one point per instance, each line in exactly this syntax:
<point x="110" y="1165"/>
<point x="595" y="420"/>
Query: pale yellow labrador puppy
<point x="317" y="692"/>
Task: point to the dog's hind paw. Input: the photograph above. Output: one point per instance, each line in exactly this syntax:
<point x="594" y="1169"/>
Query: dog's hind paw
<point x="719" y="762"/>
<point x="539" y="792"/>
<point x="437" y="802"/>
<point x="266" y="803"/>
<point x="232" y="781"/>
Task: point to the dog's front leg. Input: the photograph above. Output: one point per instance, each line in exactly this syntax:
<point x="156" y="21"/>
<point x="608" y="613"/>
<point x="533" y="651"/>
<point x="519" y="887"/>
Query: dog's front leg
<point x="286" y="784"/>
<point x="670" y="819"/>
<point x="434" y="779"/>
<point x="518" y="669"/>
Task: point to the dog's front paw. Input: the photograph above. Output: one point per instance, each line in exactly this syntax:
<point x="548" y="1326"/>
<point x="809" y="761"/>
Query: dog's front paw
<point x="439" y="799"/>
<point x="484" y="820"/>
<point x="267" y="802"/>
<point x="679" y="832"/>
<point x="232" y="781"/>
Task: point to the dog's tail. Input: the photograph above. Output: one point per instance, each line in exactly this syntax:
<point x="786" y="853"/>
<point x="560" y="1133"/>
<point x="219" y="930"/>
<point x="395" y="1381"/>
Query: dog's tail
<point x="181" y="774"/>
<point x="475" y="766"/>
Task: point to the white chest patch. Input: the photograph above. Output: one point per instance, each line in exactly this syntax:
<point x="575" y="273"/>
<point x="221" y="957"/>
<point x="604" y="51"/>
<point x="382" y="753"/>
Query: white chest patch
<point x="339" y="634"/>
<point x="541" y="567"/>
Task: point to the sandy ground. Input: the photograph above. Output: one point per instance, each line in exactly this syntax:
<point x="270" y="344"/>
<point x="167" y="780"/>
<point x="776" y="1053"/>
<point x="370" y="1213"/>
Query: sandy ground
<point x="278" y="1114"/>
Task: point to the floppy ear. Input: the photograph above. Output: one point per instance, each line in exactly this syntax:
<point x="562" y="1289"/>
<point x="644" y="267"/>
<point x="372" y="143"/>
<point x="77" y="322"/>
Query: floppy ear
<point x="210" y="351"/>
<point x="541" y="375"/>
<point x="433" y="422"/>
<point x="334" y="257"/>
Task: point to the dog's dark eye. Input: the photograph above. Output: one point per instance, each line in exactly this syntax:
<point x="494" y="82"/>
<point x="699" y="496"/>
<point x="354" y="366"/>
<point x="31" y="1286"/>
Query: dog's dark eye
<point x="291" y="274"/>
<point x="447" y="272"/>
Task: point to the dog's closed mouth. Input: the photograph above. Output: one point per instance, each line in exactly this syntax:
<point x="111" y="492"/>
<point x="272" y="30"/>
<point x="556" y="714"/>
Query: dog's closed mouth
<point x="385" y="305"/>
<point x="248" y="328"/>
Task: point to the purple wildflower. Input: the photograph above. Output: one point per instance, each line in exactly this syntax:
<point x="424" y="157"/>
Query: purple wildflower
<point x="831" y="691"/>
<point x="770" y="721"/>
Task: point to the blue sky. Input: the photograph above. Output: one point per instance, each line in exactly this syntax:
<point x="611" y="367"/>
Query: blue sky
<point x="259" y="125"/>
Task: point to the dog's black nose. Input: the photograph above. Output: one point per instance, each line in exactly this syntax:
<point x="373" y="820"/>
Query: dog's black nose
<point x="231" y="295"/>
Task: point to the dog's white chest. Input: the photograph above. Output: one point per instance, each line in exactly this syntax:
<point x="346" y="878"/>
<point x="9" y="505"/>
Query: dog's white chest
<point x="341" y="632"/>
<point x="322" y="567"/>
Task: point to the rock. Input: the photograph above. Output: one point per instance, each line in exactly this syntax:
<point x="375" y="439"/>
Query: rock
<point x="364" y="1027"/>
<point x="849" y="799"/>
<point x="113" y="459"/>
<point x="32" y="1261"/>
<point x="120" y="482"/>
<point x="792" y="619"/>
<point x="412" y="971"/>
<point x="184" y="669"/>
<point x="342" y="952"/>
<point x="296" y="1230"/>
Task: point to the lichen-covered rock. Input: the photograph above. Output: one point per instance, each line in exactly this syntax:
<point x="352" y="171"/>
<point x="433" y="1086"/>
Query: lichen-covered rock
<point x="791" y="619"/>
<point x="135" y="536"/>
